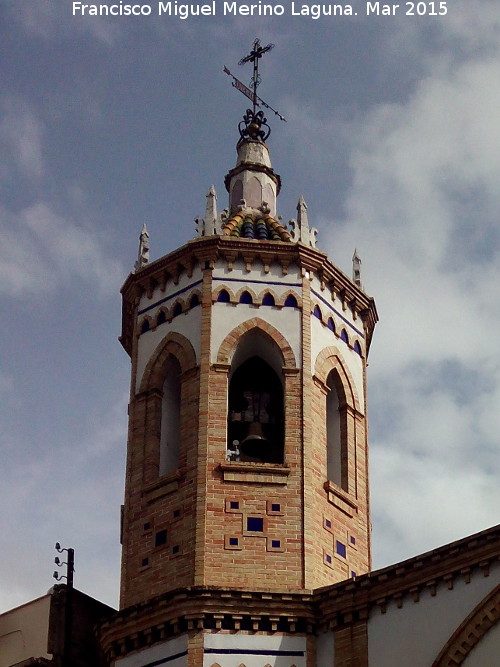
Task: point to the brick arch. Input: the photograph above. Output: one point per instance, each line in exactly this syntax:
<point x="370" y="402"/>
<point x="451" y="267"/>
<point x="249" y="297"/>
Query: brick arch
<point x="283" y="298"/>
<point x="178" y="302"/>
<point x="262" y="294"/>
<point x="253" y="294"/>
<point x="357" y="340"/>
<point x="175" y="344"/>
<point x="151" y="322"/>
<point x="315" y="305"/>
<point x="466" y="636"/>
<point x="195" y="292"/>
<point x="328" y="360"/>
<point x="216" y="292"/>
<point x="165" y="312"/>
<point x="230" y="342"/>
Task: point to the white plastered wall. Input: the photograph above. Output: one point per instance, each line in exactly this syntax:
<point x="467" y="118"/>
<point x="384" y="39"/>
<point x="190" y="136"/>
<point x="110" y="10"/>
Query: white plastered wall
<point x="321" y="338"/>
<point x="232" y="650"/>
<point x="487" y="652"/>
<point x="171" y="290"/>
<point x="325" y="649"/>
<point x="257" y="280"/>
<point x="164" y="652"/>
<point x="227" y="317"/>
<point x="188" y="324"/>
<point x="416" y="633"/>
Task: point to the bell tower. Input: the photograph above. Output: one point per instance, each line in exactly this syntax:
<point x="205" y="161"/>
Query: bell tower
<point x="247" y="457"/>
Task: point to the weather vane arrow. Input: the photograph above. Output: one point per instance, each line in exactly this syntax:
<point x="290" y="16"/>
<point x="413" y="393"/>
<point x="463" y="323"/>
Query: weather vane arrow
<point x="254" y="56"/>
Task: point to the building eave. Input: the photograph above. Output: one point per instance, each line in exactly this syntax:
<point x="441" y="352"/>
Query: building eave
<point x="205" y="251"/>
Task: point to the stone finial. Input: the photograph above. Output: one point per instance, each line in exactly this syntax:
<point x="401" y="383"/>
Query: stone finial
<point x="208" y="225"/>
<point x="143" y="255"/>
<point x="356" y="268"/>
<point x="211" y="212"/>
<point x="301" y="232"/>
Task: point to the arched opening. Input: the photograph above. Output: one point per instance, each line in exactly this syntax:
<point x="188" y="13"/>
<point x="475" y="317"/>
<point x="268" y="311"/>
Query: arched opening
<point x="223" y="296"/>
<point x="255" y="413"/>
<point x="162" y="318"/>
<point x="246" y="297"/>
<point x="330" y="324"/>
<point x="336" y="430"/>
<point x="268" y="299"/>
<point x="344" y="336"/>
<point x="291" y="301"/>
<point x="177" y="310"/>
<point x="194" y="301"/>
<point x="317" y="313"/>
<point x="145" y="326"/>
<point x="170" y="417"/>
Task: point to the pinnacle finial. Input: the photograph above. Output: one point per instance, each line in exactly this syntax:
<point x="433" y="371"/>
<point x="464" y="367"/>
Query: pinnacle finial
<point x="356" y="268"/>
<point x="143" y="254"/>
<point x="208" y="226"/>
<point x="301" y="232"/>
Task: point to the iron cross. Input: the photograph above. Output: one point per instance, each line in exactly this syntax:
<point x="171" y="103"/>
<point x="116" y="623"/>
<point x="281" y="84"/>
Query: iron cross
<point x="253" y="57"/>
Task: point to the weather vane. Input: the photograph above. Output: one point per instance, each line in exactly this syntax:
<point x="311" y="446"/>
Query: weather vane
<point x="254" y="119"/>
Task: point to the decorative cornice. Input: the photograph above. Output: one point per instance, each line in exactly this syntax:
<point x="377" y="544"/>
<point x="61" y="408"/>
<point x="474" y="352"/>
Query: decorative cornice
<point x="306" y="611"/>
<point x="204" y="251"/>
<point x="208" y="608"/>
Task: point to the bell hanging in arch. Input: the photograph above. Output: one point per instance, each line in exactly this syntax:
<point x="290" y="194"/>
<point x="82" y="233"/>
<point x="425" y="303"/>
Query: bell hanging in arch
<point x="255" y="445"/>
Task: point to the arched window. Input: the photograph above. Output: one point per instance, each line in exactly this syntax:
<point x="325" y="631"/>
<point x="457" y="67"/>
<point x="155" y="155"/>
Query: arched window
<point x="291" y="302"/>
<point x="246" y="297"/>
<point x="268" y="300"/>
<point x="145" y="326"/>
<point x="161" y="319"/>
<point x="256" y="414"/>
<point x="344" y="336"/>
<point x="223" y="296"/>
<point x="336" y="432"/>
<point x="317" y="313"/>
<point x="177" y="309"/>
<point x="194" y="301"/>
<point x="330" y="324"/>
<point x="357" y="348"/>
<point x="170" y="418"/>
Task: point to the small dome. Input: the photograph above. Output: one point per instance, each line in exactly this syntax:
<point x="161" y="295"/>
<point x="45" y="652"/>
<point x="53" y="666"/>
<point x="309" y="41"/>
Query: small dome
<point x="250" y="225"/>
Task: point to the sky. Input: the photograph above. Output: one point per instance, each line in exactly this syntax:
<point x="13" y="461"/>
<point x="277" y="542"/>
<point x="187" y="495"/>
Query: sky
<point x="392" y="137"/>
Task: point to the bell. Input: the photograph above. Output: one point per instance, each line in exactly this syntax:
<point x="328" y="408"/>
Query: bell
<point x="255" y="445"/>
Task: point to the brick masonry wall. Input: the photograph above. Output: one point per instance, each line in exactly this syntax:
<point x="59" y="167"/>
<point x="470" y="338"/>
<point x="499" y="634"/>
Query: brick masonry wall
<point x="204" y="509"/>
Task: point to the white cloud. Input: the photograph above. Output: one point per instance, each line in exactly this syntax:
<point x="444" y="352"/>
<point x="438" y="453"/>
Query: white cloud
<point x="69" y="494"/>
<point x="423" y="212"/>
<point x="51" y="20"/>
<point x="21" y="135"/>
<point x="42" y="249"/>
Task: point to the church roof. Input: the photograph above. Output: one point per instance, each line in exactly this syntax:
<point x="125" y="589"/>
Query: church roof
<point x="260" y="226"/>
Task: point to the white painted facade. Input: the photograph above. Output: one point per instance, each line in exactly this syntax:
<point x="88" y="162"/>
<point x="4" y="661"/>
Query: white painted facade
<point x="421" y="629"/>
<point x="257" y="279"/>
<point x="233" y="650"/>
<point x="324" y="649"/>
<point x="187" y="324"/>
<point x="172" y="653"/>
<point x="285" y="320"/>
<point x="487" y="652"/>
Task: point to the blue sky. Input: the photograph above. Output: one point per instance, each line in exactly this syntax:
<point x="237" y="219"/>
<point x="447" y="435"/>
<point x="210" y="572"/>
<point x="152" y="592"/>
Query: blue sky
<point x="392" y="138"/>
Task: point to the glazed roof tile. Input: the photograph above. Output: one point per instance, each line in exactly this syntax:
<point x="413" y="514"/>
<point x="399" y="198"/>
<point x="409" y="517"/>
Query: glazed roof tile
<point x="260" y="226"/>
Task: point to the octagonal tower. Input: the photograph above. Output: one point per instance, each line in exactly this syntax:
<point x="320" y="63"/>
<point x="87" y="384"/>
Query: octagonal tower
<point x="247" y="459"/>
